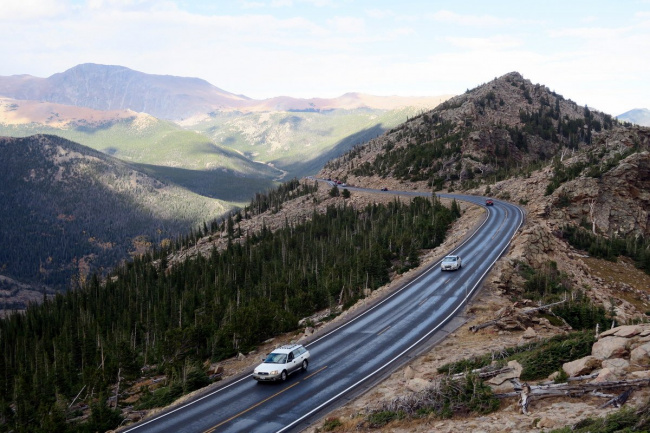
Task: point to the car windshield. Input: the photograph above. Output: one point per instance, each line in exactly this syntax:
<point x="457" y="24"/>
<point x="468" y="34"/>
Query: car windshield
<point x="276" y="358"/>
<point x="450" y="259"/>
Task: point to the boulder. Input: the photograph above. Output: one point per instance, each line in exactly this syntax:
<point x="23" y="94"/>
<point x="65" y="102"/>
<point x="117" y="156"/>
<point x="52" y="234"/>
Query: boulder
<point x="547" y="422"/>
<point x="417" y="384"/>
<point x="640" y="357"/>
<point x="409" y="373"/>
<point x="645" y="374"/>
<point x="626" y="331"/>
<point x="617" y="366"/>
<point x="529" y="333"/>
<point x="503" y="388"/>
<point x="610" y="347"/>
<point x="514" y="373"/>
<point x="581" y="366"/>
<point x="605" y="375"/>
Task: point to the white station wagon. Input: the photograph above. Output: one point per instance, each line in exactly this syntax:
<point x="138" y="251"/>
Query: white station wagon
<point x="282" y="362"/>
<point x="451" y="263"/>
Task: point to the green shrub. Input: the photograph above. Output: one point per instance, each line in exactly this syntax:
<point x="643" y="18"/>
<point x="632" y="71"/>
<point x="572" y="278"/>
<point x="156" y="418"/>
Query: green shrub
<point x="561" y="377"/>
<point x="380" y="419"/>
<point x="538" y="359"/>
<point x="626" y="420"/>
<point x="160" y="397"/>
<point x="581" y="313"/>
<point x="549" y="357"/>
<point x="331" y="424"/>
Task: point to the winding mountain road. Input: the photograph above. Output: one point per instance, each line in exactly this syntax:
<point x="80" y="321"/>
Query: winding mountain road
<point x="359" y="353"/>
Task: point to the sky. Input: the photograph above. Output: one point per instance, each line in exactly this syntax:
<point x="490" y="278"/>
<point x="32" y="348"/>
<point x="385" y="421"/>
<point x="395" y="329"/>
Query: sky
<point x="592" y="52"/>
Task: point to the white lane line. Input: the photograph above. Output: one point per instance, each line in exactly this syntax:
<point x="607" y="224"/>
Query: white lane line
<point x="427" y="335"/>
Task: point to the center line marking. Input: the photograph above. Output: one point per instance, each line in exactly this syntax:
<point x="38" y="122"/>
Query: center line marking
<point x="384" y="330"/>
<point x="500" y="226"/>
<point x="423" y="301"/>
<point x="210" y="430"/>
<point x="315" y="372"/>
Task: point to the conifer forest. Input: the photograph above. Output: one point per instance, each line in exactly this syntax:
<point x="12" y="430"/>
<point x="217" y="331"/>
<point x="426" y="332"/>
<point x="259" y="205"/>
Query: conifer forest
<point x="148" y="317"/>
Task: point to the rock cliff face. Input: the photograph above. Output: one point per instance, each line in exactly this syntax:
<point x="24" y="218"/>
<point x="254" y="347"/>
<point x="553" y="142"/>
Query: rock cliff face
<point x="618" y="203"/>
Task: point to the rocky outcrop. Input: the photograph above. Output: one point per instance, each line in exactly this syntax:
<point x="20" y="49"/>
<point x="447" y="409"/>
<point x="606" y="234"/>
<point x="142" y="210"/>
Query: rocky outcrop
<point x="610" y="347"/>
<point x="620" y="353"/>
<point x="581" y="366"/>
<point x="618" y="202"/>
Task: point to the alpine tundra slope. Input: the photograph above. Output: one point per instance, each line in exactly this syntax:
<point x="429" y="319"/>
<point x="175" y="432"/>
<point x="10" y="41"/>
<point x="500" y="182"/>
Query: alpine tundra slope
<point x="356" y="355"/>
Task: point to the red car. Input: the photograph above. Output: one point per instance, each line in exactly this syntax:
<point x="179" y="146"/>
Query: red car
<point x="489" y="202"/>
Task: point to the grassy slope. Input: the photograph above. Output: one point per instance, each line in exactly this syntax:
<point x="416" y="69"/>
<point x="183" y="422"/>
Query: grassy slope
<point x="300" y="142"/>
<point x="170" y="153"/>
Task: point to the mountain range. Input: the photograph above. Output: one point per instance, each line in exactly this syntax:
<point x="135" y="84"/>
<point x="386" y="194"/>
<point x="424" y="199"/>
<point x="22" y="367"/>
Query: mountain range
<point x="137" y="116"/>
<point x="207" y="150"/>
<point x="109" y="87"/>
<point x="582" y="177"/>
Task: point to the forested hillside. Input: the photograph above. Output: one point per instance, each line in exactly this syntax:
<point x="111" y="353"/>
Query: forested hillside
<point x="66" y="210"/>
<point x="505" y="127"/>
<point x="148" y="316"/>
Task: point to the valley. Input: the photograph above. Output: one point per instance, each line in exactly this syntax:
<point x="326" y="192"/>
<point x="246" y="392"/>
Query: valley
<point x="306" y="251"/>
<point x="216" y="150"/>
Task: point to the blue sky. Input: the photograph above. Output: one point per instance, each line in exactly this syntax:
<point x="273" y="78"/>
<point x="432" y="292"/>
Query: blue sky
<point x="593" y="52"/>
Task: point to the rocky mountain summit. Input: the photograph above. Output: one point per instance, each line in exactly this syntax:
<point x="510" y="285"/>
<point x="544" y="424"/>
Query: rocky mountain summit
<point x="501" y="128"/>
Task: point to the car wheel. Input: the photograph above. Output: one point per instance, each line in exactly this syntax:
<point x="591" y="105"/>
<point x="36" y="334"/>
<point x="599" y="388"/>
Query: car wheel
<point x="304" y="365"/>
<point x="283" y="375"/>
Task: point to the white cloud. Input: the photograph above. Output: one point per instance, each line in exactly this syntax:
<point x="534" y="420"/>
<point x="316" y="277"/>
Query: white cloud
<point x="347" y="25"/>
<point x="470" y="20"/>
<point x="320" y="3"/>
<point x="281" y="3"/>
<point x="495" y="43"/>
<point x="251" y="5"/>
<point x="31" y="9"/>
<point x="380" y="13"/>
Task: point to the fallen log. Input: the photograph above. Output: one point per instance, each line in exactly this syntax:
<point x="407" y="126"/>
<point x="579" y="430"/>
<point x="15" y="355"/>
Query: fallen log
<point x="526" y="392"/>
<point x="475" y="328"/>
<point x="485" y="372"/>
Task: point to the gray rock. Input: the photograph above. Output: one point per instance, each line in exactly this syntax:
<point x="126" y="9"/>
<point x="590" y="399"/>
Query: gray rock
<point x="581" y="366"/>
<point x="610" y="347"/>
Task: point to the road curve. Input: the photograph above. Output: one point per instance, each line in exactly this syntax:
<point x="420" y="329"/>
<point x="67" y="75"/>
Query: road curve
<point x="357" y="354"/>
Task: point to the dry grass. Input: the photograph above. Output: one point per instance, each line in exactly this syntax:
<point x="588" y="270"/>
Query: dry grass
<point x="630" y="283"/>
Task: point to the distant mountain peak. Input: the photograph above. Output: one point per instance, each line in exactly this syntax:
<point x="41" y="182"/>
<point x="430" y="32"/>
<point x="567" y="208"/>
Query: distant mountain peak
<point x="114" y="87"/>
<point x="640" y="116"/>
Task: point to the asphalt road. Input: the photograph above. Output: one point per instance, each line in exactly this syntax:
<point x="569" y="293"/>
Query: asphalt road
<point x="357" y="354"/>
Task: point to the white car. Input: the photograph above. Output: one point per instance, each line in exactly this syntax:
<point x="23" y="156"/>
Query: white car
<point x="282" y="362"/>
<point x="451" y="263"/>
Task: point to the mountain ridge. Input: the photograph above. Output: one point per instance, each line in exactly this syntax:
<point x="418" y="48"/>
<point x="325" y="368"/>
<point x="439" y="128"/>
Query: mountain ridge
<point x="112" y="87"/>
<point x="68" y="210"/>
<point x="640" y="116"/>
